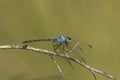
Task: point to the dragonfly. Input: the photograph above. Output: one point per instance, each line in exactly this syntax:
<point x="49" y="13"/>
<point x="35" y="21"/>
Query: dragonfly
<point x="58" y="41"/>
<point x="61" y="44"/>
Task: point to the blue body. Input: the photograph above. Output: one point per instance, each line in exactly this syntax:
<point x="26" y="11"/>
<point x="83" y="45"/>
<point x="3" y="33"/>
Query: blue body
<point x="61" y="39"/>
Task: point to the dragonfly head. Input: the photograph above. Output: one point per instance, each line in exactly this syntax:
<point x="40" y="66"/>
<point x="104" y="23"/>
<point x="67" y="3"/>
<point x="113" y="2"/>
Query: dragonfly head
<point x="68" y="39"/>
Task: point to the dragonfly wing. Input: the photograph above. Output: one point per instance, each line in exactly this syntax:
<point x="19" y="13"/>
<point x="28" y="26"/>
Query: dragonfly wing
<point x="84" y="47"/>
<point x="76" y="49"/>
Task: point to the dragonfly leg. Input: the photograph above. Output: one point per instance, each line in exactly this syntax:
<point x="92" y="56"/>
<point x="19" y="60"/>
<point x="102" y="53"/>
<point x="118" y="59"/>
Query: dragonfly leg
<point x="55" y="47"/>
<point x="63" y="48"/>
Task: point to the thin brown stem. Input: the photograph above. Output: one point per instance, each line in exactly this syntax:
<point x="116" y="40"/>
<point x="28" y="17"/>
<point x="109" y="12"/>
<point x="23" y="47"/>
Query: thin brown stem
<point x="47" y="52"/>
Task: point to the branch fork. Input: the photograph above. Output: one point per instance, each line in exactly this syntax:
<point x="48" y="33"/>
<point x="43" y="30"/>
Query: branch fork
<point x="51" y="53"/>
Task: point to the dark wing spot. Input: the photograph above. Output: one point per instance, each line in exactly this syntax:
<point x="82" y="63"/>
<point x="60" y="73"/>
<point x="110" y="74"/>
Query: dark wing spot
<point x="90" y="46"/>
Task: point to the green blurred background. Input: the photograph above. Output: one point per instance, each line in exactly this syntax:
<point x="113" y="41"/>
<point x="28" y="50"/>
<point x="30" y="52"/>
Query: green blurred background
<point x="92" y="21"/>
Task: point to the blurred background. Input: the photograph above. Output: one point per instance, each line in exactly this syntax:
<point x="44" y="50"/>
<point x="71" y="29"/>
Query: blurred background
<point x="96" y="22"/>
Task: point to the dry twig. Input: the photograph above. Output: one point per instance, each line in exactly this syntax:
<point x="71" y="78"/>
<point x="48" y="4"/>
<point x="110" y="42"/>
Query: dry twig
<point x="50" y="53"/>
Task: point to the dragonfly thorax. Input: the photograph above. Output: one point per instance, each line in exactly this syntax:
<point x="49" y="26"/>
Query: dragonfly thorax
<point x="62" y="39"/>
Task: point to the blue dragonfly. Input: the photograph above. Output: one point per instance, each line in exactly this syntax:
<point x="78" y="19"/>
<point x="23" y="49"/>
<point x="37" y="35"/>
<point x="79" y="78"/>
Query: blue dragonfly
<point x="62" y="44"/>
<point x="58" y="41"/>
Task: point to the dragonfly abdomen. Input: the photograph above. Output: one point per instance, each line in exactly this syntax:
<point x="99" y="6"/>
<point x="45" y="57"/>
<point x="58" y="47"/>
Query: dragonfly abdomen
<point x="35" y="40"/>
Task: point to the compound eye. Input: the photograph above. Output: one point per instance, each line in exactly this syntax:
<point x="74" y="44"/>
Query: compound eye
<point x="69" y="38"/>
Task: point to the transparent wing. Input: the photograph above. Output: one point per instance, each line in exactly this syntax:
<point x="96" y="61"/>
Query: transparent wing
<point x="77" y="49"/>
<point x="61" y="48"/>
<point x="72" y="46"/>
